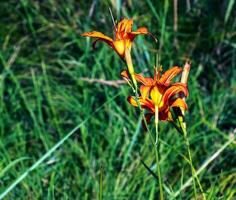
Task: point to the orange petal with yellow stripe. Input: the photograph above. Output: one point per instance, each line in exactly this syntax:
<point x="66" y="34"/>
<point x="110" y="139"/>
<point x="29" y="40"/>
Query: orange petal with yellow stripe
<point x="138" y="77"/>
<point x="145" y="103"/>
<point x="99" y="36"/>
<point x="125" y="25"/>
<point x="144" y="90"/>
<point x="143" y="80"/>
<point x="140" y="30"/>
<point x="179" y="103"/>
<point x="169" y="75"/>
<point x="173" y="90"/>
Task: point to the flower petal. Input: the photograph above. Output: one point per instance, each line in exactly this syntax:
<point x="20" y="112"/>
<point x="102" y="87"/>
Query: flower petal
<point x="143" y="80"/>
<point x="140" y="30"/>
<point x="156" y="95"/>
<point x="169" y="75"/>
<point x="120" y="46"/>
<point x="138" y="77"/>
<point x="132" y="101"/>
<point x="163" y="115"/>
<point x="173" y="90"/>
<point x="99" y="36"/>
<point x="145" y="103"/>
<point x="125" y="25"/>
<point x="185" y="92"/>
<point x="144" y="90"/>
<point x="179" y="103"/>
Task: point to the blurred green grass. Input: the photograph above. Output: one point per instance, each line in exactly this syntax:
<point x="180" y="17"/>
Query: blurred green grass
<point x="42" y="97"/>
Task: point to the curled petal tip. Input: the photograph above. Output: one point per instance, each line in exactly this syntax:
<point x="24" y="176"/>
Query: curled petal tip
<point x="169" y="75"/>
<point x="132" y="101"/>
<point x="88" y="34"/>
<point x="154" y="38"/>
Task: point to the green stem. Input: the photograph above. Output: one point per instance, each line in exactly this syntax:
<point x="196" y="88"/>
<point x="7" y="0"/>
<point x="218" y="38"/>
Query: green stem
<point x="157" y="155"/>
<point x="194" y="175"/>
<point x="191" y="163"/>
<point x="100" y="182"/>
<point x="182" y="124"/>
<point x="155" y="145"/>
<point x="159" y="174"/>
<point x="50" y="151"/>
<point x="181" y="127"/>
<point x="204" y="166"/>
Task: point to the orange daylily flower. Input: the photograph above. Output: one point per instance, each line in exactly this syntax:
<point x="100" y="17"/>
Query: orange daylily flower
<point x="124" y="36"/>
<point x="149" y="84"/>
<point x="159" y="94"/>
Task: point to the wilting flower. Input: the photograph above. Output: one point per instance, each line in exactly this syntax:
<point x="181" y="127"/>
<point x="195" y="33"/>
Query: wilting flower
<point x="124" y="36"/>
<point x="158" y="94"/>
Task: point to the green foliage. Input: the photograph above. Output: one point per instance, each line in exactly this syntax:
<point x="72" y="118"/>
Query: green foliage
<point x="42" y="98"/>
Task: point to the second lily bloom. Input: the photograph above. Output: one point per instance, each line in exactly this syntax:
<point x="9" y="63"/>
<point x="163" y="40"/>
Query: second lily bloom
<point x="159" y="94"/>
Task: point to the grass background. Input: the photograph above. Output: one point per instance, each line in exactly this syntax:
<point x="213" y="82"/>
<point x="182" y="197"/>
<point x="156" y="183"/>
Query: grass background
<point x="42" y="98"/>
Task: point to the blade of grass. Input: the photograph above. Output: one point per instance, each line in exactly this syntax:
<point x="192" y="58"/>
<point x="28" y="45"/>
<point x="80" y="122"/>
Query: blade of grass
<point x="50" y="151"/>
<point x="149" y="170"/>
<point x="153" y="10"/>
<point x="134" y="138"/>
<point x="229" y="9"/>
<point x="100" y="182"/>
<point x="22" y="94"/>
<point x="204" y="165"/>
<point x="3" y="171"/>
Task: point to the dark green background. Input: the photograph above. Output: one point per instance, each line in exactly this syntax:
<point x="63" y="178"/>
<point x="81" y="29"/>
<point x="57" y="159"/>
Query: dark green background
<point x="42" y="97"/>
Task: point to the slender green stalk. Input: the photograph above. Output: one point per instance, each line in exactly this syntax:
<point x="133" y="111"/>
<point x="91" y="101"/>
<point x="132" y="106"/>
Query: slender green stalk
<point x="156" y="124"/>
<point x="155" y="145"/>
<point x="191" y="163"/>
<point x="194" y="175"/>
<point x="204" y="165"/>
<point x="157" y="152"/>
<point x="50" y="151"/>
<point x="131" y="72"/>
<point x="184" y="79"/>
<point x="159" y="173"/>
<point x="199" y="183"/>
<point x="100" y="183"/>
<point x="130" y="67"/>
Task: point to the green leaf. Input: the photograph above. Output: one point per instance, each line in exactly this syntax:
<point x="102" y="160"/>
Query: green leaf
<point x="229" y="9"/>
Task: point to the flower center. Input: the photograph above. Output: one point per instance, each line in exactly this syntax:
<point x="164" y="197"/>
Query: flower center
<point x="156" y="96"/>
<point x="121" y="45"/>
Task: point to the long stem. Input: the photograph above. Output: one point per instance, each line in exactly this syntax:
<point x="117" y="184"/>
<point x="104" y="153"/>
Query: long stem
<point x="130" y="67"/>
<point x="184" y="79"/>
<point x="131" y="72"/>
<point x="191" y="163"/>
<point x="100" y="182"/>
<point x="204" y="166"/>
<point x="50" y="151"/>
<point x="157" y="152"/>
<point x="194" y="175"/>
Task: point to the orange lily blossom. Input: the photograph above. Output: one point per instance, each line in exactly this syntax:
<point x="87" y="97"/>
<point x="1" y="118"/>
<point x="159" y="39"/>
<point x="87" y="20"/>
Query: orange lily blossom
<point x="158" y="94"/>
<point x="124" y="36"/>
